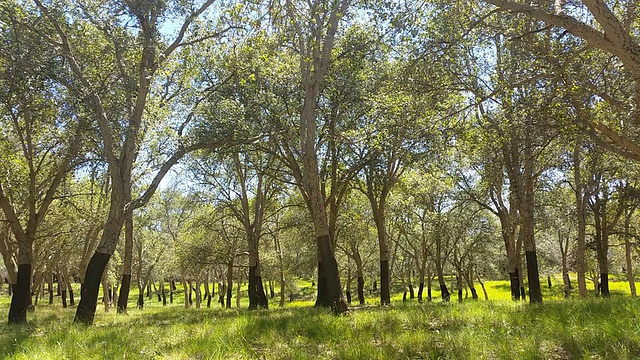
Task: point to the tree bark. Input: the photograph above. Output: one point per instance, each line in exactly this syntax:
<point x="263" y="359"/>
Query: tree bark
<point x="628" y="249"/>
<point x="229" y="283"/>
<point x="581" y="263"/>
<point x="140" y="297"/>
<point x="49" y="288"/>
<point x="361" y="290"/>
<point x="127" y="265"/>
<point x="89" y="297"/>
<point x="21" y="295"/>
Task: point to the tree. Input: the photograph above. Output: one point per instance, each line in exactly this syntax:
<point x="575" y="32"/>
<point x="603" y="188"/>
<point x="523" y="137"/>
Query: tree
<point x="313" y="28"/>
<point x="608" y="28"/>
<point x="42" y="138"/>
<point x="138" y="62"/>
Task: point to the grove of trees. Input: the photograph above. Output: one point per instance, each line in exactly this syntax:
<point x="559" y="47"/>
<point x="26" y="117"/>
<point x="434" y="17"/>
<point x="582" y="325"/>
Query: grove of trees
<point x="386" y="144"/>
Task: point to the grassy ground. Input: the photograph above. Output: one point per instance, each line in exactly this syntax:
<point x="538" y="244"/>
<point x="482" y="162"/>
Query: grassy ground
<point x="558" y="329"/>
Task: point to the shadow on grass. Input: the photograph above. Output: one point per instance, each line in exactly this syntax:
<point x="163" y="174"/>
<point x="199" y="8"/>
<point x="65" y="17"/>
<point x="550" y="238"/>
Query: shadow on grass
<point x="14" y="336"/>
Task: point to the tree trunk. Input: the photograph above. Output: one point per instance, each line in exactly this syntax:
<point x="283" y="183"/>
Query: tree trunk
<point x="348" y="292"/>
<point x="385" y="296"/>
<point x="321" y="298"/>
<point x="127" y="264"/>
<point x="163" y="292"/>
<point x="361" y="290"/>
<point x="21" y="293"/>
<point x="72" y="300"/>
<point x="484" y="290"/>
<point x="106" y="293"/>
<point x="63" y="296"/>
<point x="238" y="289"/>
<point x="229" y="283"/>
<point x="444" y="292"/>
<point x="140" y="297"/>
<point x="420" y="289"/>
<point x="257" y="295"/>
<point x="581" y="263"/>
<point x="282" y="288"/>
<point x="50" y="288"/>
<point x="222" y="290"/>
<point x="187" y="292"/>
<point x="123" y="298"/>
<point x="410" y="285"/>
<point x="459" y="285"/>
<point x="89" y="295"/>
<point x="56" y="279"/>
<point x="604" y="283"/>
<point x="528" y="225"/>
<point x="628" y="248"/>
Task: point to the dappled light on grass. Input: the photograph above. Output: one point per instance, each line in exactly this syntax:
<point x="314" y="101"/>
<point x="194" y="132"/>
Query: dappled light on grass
<point x="600" y="328"/>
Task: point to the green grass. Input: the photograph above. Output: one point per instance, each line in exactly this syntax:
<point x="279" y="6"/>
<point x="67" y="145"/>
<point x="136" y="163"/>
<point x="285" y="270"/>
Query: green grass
<point x="558" y="329"/>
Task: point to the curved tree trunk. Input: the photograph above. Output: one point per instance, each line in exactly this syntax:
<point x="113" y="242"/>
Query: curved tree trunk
<point x="89" y="297"/>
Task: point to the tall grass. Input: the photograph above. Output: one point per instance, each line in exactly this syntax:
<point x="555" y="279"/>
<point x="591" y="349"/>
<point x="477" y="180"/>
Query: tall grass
<point x="558" y="329"/>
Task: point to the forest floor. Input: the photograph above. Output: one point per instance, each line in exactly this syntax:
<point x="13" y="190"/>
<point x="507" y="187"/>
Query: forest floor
<point x="498" y="329"/>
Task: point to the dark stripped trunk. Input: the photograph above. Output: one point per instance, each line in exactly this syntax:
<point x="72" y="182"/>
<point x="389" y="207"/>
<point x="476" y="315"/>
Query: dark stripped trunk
<point x="420" y="289"/>
<point x="385" y="297"/>
<point x="229" y="283"/>
<point x="604" y="284"/>
<point x="50" y="289"/>
<point x="89" y="298"/>
<point x="459" y="286"/>
<point x="127" y="264"/>
<point x="474" y="293"/>
<point x="429" y="290"/>
<point x="322" y="299"/>
<point x="515" y="285"/>
<point x="348" y="292"/>
<point x="124" y="293"/>
<point x="262" y="296"/>
<point x="444" y="292"/>
<point x="535" y="292"/>
<point x="229" y="294"/>
<point x="330" y="276"/>
<point x="140" y="298"/>
<point x="361" y="290"/>
<point x="21" y="294"/>
<point x="257" y="296"/>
